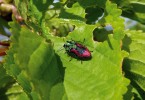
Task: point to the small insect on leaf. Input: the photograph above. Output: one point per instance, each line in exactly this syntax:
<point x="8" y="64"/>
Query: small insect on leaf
<point x="77" y="50"/>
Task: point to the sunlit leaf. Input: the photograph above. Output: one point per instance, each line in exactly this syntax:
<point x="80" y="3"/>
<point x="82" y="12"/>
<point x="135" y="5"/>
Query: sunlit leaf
<point x="113" y="18"/>
<point x="33" y="64"/>
<point x="101" y="77"/>
<point x="38" y="63"/>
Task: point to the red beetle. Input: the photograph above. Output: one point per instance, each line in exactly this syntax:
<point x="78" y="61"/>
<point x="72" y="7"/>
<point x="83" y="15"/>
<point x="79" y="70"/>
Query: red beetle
<point x="77" y="50"/>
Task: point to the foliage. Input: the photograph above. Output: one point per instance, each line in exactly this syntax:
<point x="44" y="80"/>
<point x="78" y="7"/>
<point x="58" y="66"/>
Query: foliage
<point x="38" y="67"/>
<point x="133" y="9"/>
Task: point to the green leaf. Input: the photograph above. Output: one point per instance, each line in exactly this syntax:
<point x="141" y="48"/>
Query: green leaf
<point x="99" y="78"/>
<point x="134" y="64"/>
<point x="132" y="94"/>
<point x="113" y="18"/>
<point x="86" y="3"/>
<point x="15" y="92"/>
<point x="5" y="79"/>
<point x="142" y="1"/>
<point x="33" y="63"/>
<point x="96" y="78"/>
<point x="133" y="9"/>
<point x="44" y="72"/>
<point x="55" y="92"/>
<point x="93" y="14"/>
<point x="138" y="7"/>
<point x="57" y="28"/>
<point x="33" y="10"/>
<point x="22" y="8"/>
<point x="76" y="12"/>
<point x="101" y="34"/>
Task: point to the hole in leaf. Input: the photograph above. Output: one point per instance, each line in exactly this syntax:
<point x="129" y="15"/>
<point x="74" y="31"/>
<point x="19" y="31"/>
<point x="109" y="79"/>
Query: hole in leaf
<point x="93" y="14"/>
<point x="70" y="3"/>
<point x="101" y="34"/>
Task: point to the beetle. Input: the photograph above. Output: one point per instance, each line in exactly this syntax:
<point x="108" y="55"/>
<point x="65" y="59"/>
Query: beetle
<point x="77" y="50"/>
